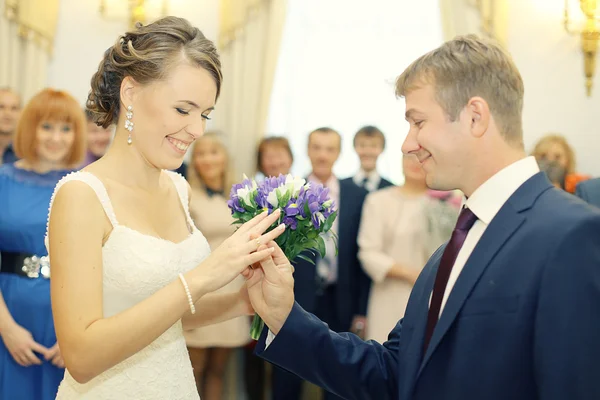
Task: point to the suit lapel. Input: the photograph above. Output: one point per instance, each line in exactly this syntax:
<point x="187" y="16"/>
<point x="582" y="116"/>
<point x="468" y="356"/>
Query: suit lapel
<point x="414" y="353"/>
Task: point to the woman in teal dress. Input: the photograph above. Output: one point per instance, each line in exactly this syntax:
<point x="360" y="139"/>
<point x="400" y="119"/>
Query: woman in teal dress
<point x="50" y="141"/>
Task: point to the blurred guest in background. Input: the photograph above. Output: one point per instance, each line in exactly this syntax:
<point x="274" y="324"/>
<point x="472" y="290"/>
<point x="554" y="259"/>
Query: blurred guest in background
<point x="10" y="108"/>
<point x="274" y="156"/>
<point x="556" y="173"/>
<point x="369" y="143"/>
<point x="553" y="147"/>
<point x="98" y="140"/>
<point x="210" y="177"/>
<point x="50" y="142"/>
<point x="396" y="238"/>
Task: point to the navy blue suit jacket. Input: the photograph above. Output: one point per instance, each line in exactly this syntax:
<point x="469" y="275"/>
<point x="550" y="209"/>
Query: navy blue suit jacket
<point x="353" y="284"/>
<point x="589" y="191"/>
<point x="522" y="321"/>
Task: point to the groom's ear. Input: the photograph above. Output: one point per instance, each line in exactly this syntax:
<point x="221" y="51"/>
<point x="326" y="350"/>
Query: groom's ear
<point x="478" y="112"/>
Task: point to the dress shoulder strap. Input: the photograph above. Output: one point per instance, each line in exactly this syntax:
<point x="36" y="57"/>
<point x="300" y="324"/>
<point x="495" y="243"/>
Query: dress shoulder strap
<point x="182" y="190"/>
<point x="93" y="182"/>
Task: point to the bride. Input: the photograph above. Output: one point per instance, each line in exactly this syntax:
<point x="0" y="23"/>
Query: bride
<point x="129" y="268"/>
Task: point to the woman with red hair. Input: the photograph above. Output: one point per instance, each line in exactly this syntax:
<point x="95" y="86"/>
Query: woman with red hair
<point x="50" y="142"/>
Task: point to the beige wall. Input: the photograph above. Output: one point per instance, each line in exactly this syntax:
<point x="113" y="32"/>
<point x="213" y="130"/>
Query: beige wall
<point x="551" y="63"/>
<point x="83" y="36"/>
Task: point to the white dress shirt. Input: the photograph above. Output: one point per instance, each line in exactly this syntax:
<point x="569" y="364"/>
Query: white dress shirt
<point x="373" y="178"/>
<point x="485" y="203"/>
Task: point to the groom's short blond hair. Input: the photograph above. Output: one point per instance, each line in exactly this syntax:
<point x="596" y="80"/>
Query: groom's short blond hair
<point x="469" y="66"/>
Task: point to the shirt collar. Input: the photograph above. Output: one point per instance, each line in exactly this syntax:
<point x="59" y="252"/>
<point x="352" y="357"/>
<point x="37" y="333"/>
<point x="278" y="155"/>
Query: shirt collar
<point x="360" y="176"/>
<point x="489" y="198"/>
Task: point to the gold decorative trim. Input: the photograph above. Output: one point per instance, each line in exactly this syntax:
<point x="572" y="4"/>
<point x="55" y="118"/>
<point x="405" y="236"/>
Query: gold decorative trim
<point x="589" y="34"/>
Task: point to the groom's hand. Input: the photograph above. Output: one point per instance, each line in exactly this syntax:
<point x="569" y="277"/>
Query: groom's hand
<point x="271" y="288"/>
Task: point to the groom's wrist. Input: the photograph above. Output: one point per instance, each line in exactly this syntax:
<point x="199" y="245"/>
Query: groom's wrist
<point x="276" y="321"/>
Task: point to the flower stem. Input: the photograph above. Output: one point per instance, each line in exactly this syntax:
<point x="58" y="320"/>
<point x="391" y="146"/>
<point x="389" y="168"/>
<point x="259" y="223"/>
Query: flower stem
<point x="257" y="327"/>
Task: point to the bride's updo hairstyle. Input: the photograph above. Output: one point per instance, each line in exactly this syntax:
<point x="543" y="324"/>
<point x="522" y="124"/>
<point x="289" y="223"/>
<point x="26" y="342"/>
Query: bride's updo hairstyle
<point x="146" y="55"/>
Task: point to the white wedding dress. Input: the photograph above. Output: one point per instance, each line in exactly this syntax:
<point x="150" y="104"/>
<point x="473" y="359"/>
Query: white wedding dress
<point x="135" y="266"/>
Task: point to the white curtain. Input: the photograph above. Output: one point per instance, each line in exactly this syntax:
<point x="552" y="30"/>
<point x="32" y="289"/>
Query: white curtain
<point x="482" y="17"/>
<point x="26" y="35"/>
<point x="249" y="46"/>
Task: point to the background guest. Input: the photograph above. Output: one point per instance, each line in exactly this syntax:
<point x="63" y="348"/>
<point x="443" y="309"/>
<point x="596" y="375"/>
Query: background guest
<point x="555" y="172"/>
<point x="211" y="178"/>
<point x="369" y="143"/>
<point x="274" y="156"/>
<point x="10" y="108"/>
<point x="554" y="147"/>
<point x="50" y="141"/>
<point x="98" y="140"/>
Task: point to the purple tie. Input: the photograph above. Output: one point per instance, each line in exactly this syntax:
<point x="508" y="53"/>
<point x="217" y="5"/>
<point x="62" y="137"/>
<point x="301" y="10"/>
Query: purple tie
<point x="466" y="219"/>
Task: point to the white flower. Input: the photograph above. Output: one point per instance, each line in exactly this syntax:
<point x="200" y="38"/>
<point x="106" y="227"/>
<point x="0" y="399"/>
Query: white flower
<point x="272" y="199"/>
<point x="294" y="184"/>
<point x="328" y="203"/>
<point x="244" y="194"/>
<point x="320" y="217"/>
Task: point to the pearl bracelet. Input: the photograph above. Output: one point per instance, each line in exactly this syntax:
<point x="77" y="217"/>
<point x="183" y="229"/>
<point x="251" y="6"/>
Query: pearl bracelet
<point x="189" y="295"/>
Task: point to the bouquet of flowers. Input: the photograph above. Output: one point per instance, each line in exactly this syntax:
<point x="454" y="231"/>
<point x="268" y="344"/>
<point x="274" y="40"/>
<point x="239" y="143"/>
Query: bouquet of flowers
<point x="306" y="210"/>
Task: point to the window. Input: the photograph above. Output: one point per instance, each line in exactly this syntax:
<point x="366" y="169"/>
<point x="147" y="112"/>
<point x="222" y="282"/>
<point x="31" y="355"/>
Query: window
<point x="338" y="63"/>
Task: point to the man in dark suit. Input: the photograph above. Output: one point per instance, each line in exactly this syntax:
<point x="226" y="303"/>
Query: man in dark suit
<point x="334" y="288"/>
<point x="369" y="143"/>
<point x="589" y="191"/>
<point x="508" y="308"/>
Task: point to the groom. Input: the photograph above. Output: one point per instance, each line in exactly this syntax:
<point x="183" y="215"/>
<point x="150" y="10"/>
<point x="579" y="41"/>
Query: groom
<point x="509" y="308"/>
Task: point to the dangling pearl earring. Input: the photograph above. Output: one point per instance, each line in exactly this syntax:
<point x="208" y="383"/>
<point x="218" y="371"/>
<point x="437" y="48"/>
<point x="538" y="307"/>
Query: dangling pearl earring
<point x="129" y="123"/>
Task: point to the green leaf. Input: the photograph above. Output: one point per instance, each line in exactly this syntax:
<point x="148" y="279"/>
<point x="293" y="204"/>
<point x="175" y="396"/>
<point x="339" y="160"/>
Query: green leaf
<point x="322" y="248"/>
<point x="305" y="258"/>
<point x="334" y="236"/>
<point x="312" y="234"/>
<point x="253" y="202"/>
<point x="307" y="210"/>
<point x="311" y="244"/>
<point x="329" y="221"/>
<point x="281" y="240"/>
<point x="246" y="206"/>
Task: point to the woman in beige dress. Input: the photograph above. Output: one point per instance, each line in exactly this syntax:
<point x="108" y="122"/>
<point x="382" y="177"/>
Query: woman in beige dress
<point x="394" y="244"/>
<point x="210" y="178"/>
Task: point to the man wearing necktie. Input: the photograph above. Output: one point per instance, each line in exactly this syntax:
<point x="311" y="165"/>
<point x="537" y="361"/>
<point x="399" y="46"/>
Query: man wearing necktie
<point x="509" y="308"/>
<point x="369" y="143"/>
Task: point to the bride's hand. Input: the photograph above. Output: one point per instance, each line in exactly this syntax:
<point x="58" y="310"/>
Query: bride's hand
<point x="235" y="254"/>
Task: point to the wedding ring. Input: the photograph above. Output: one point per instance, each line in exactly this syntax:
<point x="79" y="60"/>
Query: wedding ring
<point x="258" y="243"/>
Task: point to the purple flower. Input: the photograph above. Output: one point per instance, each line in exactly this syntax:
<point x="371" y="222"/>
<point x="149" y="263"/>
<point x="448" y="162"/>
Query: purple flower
<point x="234" y="205"/>
<point x="291" y="209"/>
<point x="291" y="222"/>
<point x="317" y="219"/>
